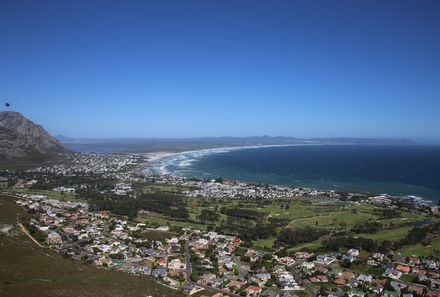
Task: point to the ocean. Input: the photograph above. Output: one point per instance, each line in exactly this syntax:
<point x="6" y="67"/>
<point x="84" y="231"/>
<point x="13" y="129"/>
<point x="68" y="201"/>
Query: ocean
<point x="401" y="170"/>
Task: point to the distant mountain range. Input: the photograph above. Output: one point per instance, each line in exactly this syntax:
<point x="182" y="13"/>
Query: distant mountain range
<point x="22" y="141"/>
<point x="144" y="145"/>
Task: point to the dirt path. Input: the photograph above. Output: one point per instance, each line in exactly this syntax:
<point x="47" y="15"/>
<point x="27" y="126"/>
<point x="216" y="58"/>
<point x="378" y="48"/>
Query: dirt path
<point x="26" y="232"/>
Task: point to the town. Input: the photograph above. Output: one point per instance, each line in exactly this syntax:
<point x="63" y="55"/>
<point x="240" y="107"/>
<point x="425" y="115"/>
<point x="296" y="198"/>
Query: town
<point x="69" y="211"/>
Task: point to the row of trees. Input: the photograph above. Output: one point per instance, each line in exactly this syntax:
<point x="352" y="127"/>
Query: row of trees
<point x="335" y="243"/>
<point x="366" y="227"/>
<point x="242" y="213"/>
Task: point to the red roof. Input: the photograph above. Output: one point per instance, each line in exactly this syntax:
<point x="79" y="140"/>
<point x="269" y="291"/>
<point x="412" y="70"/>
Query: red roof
<point x="403" y="268"/>
<point x="340" y="281"/>
<point x="347" y="275"/>
<point x="234" y="283"/>
<point x="236" y="241"/>
<point x="252" y="289"/>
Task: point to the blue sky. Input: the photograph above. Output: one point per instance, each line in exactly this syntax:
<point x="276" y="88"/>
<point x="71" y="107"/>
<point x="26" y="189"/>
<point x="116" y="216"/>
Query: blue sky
<point x="214" y="68"/>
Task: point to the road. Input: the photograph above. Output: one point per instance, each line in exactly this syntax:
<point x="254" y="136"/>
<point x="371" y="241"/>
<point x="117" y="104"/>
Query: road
<point x="240" y="269"/>
<point x="189" y="271"/>
<point x="188" y="262"/>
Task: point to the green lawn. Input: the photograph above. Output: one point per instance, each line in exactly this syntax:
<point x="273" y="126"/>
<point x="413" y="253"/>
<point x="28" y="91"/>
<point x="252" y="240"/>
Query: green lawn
<point x="392" y="234"/>
<point x="264" y="244"/>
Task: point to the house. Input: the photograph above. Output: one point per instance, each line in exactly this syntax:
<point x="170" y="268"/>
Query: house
<point x="162" y="262"/>
<point x="159" y="272"/>
<point x="378" y="281"/>
<point x="174" y="264"/>
<point x="145" y="270"/>
<point x="403" y="268"/>
<point x="419" y="272"/>
<point x="435" y="209"/>
<point x="308" y="265"/>
<point x="365" y="278"/>
<point x="417" y="290"/>
<point x="398" y="286"/>
<point x="263" y="276"/>
<point x="236" y="241"/>
<point x="235" y="284"/>
<point x="54" y="238"/>
<point x="347" y="275"/>
<point x="324" y="260"/>
<point x="206" y="279"/>
<point x="253" y="290"/>
<point x="353" y="252"/>
<point x="378" y="256"/>
<point x="303" y="255"/>
<point x="392" y="273"/>
<point x="413" y="261"/>
<point x="399" y="259"/>
<point x="173" y="272"/>
<point x="340" y="281"/>
<point x="434" y="274"/>
<point x="377" y="289"/>
<point x="373" y="263"/>
<point x="348" y="258"/>
<point x="216" y="282"/>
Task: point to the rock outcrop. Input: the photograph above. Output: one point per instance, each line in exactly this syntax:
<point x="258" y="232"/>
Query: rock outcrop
<point x="23" y="141"/>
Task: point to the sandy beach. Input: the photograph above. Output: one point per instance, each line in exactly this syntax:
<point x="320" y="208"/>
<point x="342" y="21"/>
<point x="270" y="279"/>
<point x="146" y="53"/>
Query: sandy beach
<point x="157" y="155"/>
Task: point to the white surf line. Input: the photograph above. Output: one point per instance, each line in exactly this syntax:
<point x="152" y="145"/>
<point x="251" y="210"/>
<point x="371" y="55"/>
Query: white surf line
<point x="203" y="152"/>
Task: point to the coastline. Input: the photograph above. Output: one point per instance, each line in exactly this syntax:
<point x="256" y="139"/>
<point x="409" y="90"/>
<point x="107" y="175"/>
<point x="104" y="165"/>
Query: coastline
<point x="155" y="166"/>
<point x="155" y="156"/>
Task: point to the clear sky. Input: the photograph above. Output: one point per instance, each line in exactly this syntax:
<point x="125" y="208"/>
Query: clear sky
<point x="214" y="68"/>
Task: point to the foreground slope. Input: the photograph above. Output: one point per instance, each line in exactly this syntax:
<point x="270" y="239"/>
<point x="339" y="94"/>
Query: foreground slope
<point x="28" y="270"/>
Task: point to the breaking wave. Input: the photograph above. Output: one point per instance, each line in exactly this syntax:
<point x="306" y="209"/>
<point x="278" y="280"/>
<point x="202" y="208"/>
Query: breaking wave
<point x="180" y="163"/>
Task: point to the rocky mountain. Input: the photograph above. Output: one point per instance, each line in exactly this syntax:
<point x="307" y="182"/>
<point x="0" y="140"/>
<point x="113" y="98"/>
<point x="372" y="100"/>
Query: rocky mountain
<point x="22" y="141"/>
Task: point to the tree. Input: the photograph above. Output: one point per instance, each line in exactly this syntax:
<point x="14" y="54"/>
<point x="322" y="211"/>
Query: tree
<point x="208" y="215"/>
